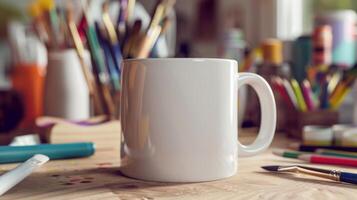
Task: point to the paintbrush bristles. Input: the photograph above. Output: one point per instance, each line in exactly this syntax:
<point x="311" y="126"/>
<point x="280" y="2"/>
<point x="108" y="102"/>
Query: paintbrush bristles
<point x="272" y="168"/>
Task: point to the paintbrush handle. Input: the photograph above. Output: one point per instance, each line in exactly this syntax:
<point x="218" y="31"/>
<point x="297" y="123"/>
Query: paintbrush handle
<point x="317" y="174"/>
<point x="348" y="177"/>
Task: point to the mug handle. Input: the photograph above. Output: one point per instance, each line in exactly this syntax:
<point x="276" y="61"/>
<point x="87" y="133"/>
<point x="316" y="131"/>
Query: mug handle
<point x="268" y="113"/>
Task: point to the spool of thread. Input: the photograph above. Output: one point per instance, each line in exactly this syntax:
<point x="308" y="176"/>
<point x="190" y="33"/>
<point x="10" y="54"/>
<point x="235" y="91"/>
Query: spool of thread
<point x="338" y="130"/>
<point x="272" y="51"/>
<point x="322" y="45"/>
<point x="317" y="135"/>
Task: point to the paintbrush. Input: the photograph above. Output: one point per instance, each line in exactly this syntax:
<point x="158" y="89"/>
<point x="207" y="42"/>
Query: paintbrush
<point x="147" y="42"/>
<point x="130" y="9"/>
<point x="76" y="40"/>
<point x="49" y="8"/>
<point x="114" y="48"/>
<point x="131" y="40"/>
<point x="334" y="175"/>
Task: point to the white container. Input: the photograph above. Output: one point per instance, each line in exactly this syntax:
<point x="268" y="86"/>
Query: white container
<point x="338" y="131"/>
<point x="66" y="92"/>
<point x="317" y="135"/>
<point x="349" y="138"/>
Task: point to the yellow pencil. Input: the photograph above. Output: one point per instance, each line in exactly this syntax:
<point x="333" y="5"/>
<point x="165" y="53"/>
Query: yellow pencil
<point x="299" y="97"/>
<point x="339" y="98"/>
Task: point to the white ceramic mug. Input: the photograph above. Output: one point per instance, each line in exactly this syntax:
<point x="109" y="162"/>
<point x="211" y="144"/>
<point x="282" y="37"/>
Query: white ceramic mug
<point x="179" y="118"/>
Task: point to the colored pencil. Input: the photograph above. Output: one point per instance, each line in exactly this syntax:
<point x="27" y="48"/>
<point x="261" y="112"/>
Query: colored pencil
<point x="278" y="85"/>
<point x="101" y="74"/>
<point x="308" y="95"/>
<point x="330" y="160"/>
<point x="298" y="94"/>
<point x="291" y="93"/>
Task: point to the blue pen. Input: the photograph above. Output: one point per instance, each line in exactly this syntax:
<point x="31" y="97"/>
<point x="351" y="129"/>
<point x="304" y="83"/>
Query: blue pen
<point x="12" y="154"/>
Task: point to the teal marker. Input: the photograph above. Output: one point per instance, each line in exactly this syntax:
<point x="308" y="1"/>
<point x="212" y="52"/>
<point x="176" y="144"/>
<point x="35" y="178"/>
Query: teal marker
<point x="12" y="154"/>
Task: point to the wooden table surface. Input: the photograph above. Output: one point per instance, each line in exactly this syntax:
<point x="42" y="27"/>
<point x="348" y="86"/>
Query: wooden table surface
<point x="98" y="177"/>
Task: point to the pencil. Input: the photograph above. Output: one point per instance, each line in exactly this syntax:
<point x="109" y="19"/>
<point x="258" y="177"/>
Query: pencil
<point x="298" y="94"/>
<point x="291" y="93"/>
<point x="308" y="95"/>
<point x="278" y="85"/>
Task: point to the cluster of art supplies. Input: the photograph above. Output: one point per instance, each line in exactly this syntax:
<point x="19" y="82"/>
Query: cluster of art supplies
<point x="326" y="84"/>
<point x="322" y="145"/>
<point x="108" y="41"/>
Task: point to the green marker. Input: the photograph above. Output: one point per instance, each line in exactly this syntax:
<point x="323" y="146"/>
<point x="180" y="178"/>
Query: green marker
<point x="287" y="154"/>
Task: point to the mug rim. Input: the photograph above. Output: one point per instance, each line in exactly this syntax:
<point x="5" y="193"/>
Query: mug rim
<point x="180" y="59"/>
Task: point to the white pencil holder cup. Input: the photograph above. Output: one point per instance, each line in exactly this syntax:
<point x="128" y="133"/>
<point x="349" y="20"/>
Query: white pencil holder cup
<point x="66" y="92"/>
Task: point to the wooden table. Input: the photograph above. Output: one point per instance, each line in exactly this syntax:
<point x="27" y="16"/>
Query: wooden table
<point x="98" y="177"/>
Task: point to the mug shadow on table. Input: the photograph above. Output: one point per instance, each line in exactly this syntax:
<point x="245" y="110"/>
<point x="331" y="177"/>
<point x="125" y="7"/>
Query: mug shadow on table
<point x="88" y="179"/>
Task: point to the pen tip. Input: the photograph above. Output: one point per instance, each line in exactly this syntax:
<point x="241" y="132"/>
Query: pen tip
<point x="274" y="168"/>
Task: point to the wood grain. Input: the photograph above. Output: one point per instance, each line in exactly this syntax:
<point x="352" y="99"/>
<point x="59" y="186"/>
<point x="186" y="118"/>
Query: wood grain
<point x="98" y="177"/>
